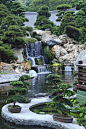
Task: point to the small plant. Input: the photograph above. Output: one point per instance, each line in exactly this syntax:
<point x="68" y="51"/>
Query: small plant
<point x="53" y="79"/>
<point x="80" y="110"/>
<point x="19" y="90"/>
<point x="61" y="102"/>
<point x="24" y="77"/>
<point x="56" y="65"/>
<point x="75" y="73"/>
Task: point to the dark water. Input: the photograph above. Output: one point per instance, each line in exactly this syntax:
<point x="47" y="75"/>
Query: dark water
<point x="38" y="88"/>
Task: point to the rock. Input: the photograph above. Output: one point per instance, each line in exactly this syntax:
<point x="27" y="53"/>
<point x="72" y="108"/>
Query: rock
<point x="65" y="39"/>
<point x="14" y="68"/>
<point x="41" y="32"/>
<point x="19" y="53"/>
<point x="54" y="61"/>
<point x="67" y="53"/>
<point x="24" y="66"/>
<point x="32" y="73"/>
<point x="67" y="59"/>
<point x="58" y="51"/>
<point x="6" y="68"/>
<point x="46" y="37"/>
<point x="53" y="42"/>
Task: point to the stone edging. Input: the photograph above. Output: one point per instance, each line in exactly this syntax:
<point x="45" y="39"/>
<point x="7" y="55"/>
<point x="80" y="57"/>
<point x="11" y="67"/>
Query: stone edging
<point x="27" y="117"/>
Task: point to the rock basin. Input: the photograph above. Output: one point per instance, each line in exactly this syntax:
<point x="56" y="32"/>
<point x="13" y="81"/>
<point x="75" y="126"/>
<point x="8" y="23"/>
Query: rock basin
<point x="27" y="117"/>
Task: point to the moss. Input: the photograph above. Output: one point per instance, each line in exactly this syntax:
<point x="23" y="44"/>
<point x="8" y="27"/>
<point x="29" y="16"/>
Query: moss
<point x="38" y="61"/>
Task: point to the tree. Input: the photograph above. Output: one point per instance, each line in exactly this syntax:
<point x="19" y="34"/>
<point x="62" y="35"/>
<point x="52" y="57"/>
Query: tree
<point x="12" y="20"/>
<point x="80" y="5"/>
<point x="3" y="12"/>
<point x="6" y="53"/>
<point x="61" y="101"/>
<point x="17" y="9"/>
<point x="43" y="21"/>
<point x="15" y="36"/>
<point x="62" y="8"/>
<point x="36" y="4"/>
<point x="73" y="32"/>
<point x="19" y="90"/>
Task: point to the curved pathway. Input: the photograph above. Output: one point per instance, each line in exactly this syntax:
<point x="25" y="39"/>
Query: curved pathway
<point x="27" y="117"/>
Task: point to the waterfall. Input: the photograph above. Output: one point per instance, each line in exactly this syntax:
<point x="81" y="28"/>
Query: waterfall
<point x="34" y="51"/>
<point x="29" y="57"/>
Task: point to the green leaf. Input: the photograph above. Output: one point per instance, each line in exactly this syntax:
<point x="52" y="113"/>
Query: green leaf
<point x="81" y="114"/>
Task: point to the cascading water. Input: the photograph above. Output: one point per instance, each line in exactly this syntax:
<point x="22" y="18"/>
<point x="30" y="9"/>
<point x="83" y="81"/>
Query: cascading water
<point x="35" y="51"/>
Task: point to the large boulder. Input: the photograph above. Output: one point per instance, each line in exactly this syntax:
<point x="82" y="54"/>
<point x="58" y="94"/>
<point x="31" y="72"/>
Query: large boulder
<point x="58" y="51"/>
<point x="41" y="32"/>
<point x="14" y="67"/>
<point x="24" y="66"/>
<point x="67" y="53"/>
<point x="46" y="37"/>
<point x="65" y="39"/>
<point x="19" y="53"/>
<point x="6" y="68"/>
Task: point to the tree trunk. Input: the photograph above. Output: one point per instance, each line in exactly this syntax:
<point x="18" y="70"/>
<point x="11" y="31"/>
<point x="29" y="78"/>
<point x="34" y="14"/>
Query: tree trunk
<point x="14" y="103"/>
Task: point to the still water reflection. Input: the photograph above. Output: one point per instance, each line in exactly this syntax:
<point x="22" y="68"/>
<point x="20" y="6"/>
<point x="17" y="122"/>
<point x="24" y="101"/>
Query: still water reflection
<point x="38" y="88"/>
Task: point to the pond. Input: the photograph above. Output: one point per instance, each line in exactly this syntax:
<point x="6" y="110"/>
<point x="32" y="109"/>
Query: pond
<point x="38" y="88"/>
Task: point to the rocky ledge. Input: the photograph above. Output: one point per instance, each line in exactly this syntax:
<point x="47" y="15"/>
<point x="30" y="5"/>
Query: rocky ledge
<point x="27" y="117"/>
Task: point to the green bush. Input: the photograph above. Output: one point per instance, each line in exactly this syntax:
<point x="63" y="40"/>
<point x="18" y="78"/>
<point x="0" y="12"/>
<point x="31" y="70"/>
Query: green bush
<point x="73" y="32"/>
<point x="31" y="40"/>
<point x="61" y="101"/>
<point x="19" y="90"/>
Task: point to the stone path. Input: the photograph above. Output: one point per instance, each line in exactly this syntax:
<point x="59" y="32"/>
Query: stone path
<point x="27" y="117"/>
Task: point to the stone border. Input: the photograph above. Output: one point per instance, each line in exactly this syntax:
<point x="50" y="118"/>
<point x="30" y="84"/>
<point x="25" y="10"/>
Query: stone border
<point x="27" y="117"/>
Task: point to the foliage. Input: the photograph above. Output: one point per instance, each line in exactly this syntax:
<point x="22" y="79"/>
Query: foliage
<point x="73" y="32"/>
<point x="28" y="28"/>
<point x="80" y="5"/>
<point x="63" y="7"/>
<point x="17" y="9"/>
<point x="38" y="61"/>
<point x="3" y="12"/>
<point x="34" y="5"/>
<point x="48" y="55"/>
<point x="61" y="102"/>
<point x="20" y="89"/>
<point x="24" y="77"/>
<point x="75" y="73"/>
<point x="31" y="40"/>
<point x="53" y="79"/>
<point x="11" y="14"/>
<point x="12" y="20"/>
<point x="80" y="110"/>
<point x="6" y="54"/>
<point x="58" y="65"/>
<point x="42" y="21"/>
<point x="14" y="35"/>
<point x="74" y="25"/>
